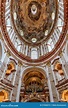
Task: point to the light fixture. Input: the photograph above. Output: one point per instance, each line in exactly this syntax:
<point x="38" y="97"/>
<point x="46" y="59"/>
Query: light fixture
<point x="34" y="40"/>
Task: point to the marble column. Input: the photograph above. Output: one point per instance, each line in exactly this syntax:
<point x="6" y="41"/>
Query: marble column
<point x="55" y="81"/>
<point x="16" y="83"/>
<point x="49" y="85"/>
<point x="13" y="81"/>
<point x="19" y="84"/>
<point x="4" y="66"/>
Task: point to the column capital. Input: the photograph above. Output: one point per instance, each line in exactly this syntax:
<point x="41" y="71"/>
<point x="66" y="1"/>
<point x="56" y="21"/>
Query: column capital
<point x="20" y="64"/>
<point x="48" y="64"/>
<point x="8" y="54"/>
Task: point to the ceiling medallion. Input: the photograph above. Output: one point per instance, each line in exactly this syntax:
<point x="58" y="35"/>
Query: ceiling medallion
<point x="34" y="18"/>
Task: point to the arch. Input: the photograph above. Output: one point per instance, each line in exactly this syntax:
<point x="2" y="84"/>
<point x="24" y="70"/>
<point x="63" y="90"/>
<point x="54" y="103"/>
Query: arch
<point x="36" y="99"/>
<point x="34" y="75"/>
<point x="34" y="69"/>
<point x="34" y="82"/>
<point x="34" y="53"/>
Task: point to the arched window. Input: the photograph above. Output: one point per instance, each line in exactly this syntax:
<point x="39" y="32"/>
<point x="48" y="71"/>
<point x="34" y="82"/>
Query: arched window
<point x="34" y="54"/>
<point x="50" y="44"/>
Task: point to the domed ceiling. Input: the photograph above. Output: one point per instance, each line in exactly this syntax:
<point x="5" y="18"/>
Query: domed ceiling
<point x="34" y="30"/>
<point x="34" y="19"/>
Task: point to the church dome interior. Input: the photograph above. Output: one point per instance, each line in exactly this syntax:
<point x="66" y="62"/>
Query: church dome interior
<point x="34" y="51"/>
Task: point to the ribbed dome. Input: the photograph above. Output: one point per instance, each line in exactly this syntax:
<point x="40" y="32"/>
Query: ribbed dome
<point x="32" y="29"/>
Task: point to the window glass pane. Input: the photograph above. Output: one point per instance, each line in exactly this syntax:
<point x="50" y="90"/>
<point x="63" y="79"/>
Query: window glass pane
<point x="34" y="53"/>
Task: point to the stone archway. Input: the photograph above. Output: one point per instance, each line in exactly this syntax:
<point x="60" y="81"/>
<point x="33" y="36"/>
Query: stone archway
<point x="34" y="85"/>
<point x="34" y="100"/>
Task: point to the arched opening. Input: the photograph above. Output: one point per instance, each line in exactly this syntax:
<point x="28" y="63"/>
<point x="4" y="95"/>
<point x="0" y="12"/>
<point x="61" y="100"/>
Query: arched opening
<point x="34" y="85"/>
<point x="34" y="53"/>
<point x="33" y="82"/>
